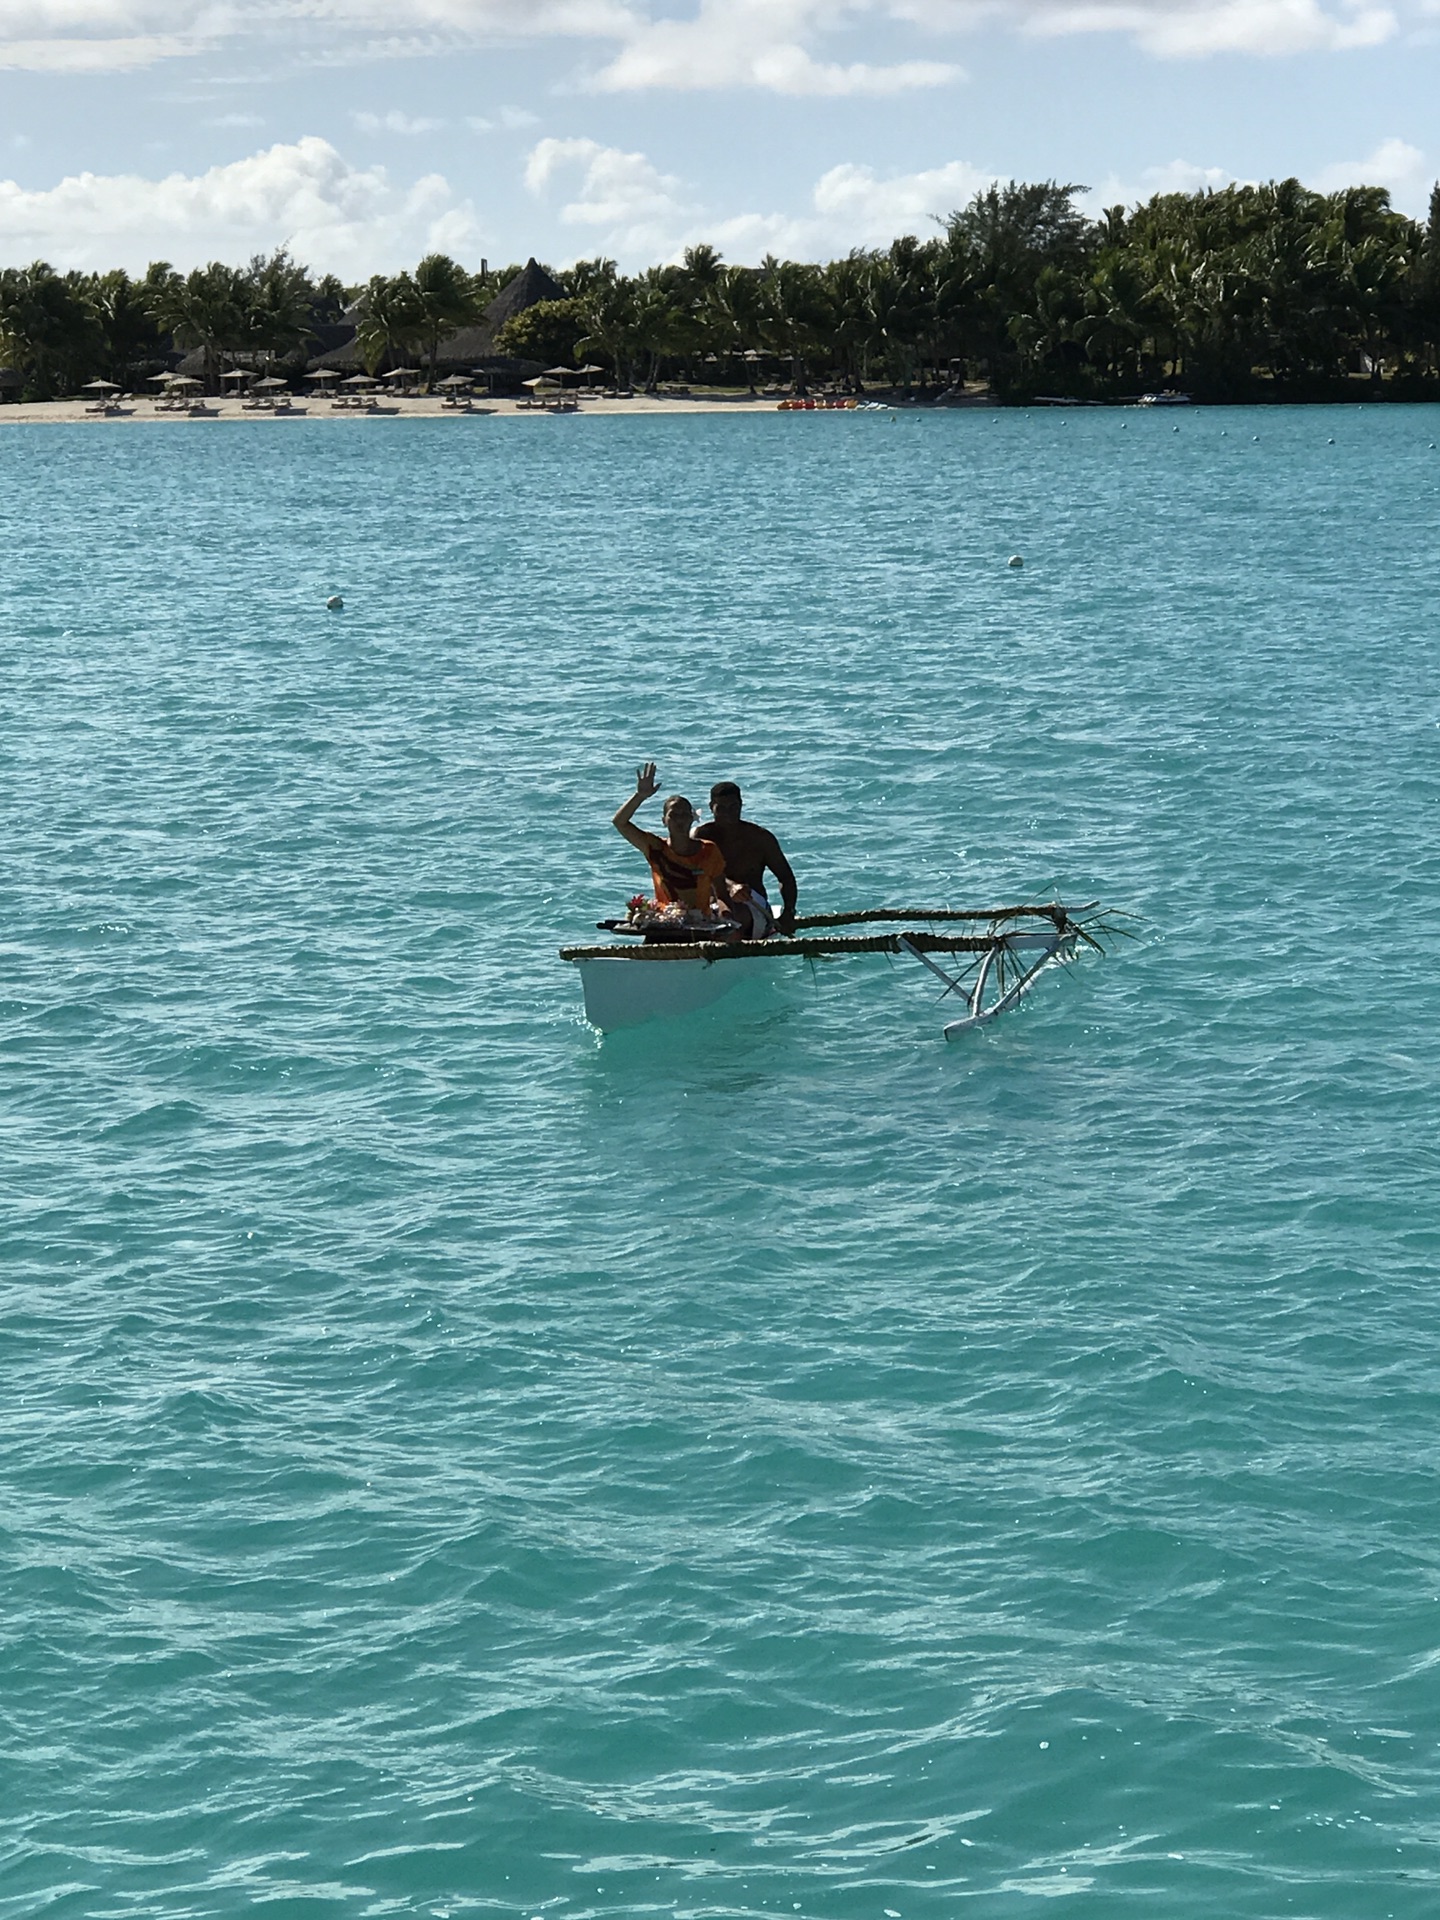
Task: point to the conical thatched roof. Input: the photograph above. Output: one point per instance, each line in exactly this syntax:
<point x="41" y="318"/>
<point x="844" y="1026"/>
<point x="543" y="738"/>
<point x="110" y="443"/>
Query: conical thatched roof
<point x="469" y="346"/>
<point x="529" y="287"/>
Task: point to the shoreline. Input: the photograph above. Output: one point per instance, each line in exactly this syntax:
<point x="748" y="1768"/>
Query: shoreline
<point x="143" y="410"/>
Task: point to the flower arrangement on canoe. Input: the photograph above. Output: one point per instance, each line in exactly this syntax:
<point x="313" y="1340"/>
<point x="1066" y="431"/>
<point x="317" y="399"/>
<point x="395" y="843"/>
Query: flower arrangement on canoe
<point x="642" y="912"/>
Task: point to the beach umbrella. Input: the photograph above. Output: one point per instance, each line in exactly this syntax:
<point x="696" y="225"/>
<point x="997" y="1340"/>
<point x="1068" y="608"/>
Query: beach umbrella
<point x="456" y="380"/>
<point x="101" y="386"/>
<point x="558" y="373"/>
<point x="235" y="373"/>
<point x="324" y="373"/>
<point x="543" y="381"/>
<point x="360" y="380"/>
<point x="270" y="383"/>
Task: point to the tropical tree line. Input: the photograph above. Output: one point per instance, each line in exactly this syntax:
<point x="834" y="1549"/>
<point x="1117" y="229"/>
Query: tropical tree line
<point x="63" y="330"/>
<point x="1229" y="294"/>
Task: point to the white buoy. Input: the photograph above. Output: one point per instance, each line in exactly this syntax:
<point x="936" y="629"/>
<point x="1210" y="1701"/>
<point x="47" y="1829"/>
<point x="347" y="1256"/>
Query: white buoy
<point x="1014" y="561"/>
<point x="1174" y="429"/>
<point x="1330" y="442"/>
<point x="335" y="603"/>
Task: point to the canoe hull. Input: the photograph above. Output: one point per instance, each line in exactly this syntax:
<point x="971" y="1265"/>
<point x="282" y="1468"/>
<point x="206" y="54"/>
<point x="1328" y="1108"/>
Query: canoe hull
<point x="627" y="993"/>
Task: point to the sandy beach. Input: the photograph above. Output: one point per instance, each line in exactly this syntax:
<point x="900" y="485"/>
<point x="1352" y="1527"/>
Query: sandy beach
<point x="314" y="407"/>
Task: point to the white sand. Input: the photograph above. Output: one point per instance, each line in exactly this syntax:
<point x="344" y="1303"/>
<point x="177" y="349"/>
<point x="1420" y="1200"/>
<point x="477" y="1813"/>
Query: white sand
<point x="312" y="407"/>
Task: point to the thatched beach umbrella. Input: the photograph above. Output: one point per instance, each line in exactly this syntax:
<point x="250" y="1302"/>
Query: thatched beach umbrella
<point x="456" y="380"/>
<point x="100" y="386"/>
<point x="361" y="380"/>
<point x="270" y="384"/>
<point x="235" y="373"/>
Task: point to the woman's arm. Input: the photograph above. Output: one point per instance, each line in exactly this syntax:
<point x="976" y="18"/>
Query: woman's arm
<point x="646" y="783"/>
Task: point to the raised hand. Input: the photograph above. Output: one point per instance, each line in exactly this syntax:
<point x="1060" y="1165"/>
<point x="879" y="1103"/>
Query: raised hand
<point x="647" y="781"/>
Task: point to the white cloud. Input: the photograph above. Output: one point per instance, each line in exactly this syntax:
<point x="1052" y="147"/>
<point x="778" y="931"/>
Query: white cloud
<point x="511" y="119"/>
<point x="1394" y="164"/>
<point x="641" y="215"/>
<point x="394" y="122"/>
<point x="782" y="46"/>
<point x="628" y="203"/>
<point x="111" y="35"/>
<point x="758" y="43"/>
<point x="851" y="206"/>
<point x="335" y="217"/>
<point x="1181" y="28"/>
<point x="875" y="210"/>
<point x="1188" y="28"/>
<point x="1175" y="176"/>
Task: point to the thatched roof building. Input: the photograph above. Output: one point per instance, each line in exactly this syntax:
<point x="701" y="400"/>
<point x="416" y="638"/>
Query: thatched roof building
<point x="470" y="346"/>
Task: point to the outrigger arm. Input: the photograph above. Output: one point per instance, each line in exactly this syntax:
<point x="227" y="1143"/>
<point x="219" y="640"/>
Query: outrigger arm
<point x="1047" y="947"/>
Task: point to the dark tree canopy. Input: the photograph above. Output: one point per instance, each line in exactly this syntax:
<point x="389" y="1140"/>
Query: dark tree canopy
<point x="1232" y="294"/>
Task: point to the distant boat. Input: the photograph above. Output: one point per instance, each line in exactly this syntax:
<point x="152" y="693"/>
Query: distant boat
<point x="674" y="970"/>
<point x="1165" y="400"/>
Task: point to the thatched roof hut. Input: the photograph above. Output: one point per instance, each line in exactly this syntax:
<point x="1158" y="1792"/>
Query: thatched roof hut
<point x="529" y="287"/>
<point x="469" y="346"/>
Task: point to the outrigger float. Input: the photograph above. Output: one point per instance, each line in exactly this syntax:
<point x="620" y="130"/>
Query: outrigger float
<point x="675" y="969"/>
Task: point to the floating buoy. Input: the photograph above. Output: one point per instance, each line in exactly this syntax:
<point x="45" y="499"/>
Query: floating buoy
<point x="1224" y="433"/>
<point x="335" y="603"/>
<point x="1330" y="442"/>
<point x="1014" y="561"/>
<point x="1174" y="429"/>
<point x="1255" y="439"/>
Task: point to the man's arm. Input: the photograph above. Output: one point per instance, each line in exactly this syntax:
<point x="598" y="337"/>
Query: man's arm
<point x="789" y="890"/>
<point x="646" y="783"/>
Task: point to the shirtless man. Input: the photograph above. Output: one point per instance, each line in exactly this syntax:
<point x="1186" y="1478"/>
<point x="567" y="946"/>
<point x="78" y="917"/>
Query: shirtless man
<point x="749" y="850"/>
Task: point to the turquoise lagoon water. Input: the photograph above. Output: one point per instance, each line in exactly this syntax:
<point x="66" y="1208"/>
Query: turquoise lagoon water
<point x="776" y="1463"/>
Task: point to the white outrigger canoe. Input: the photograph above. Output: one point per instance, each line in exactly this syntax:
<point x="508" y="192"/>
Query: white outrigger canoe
<point x="992" y="966"/>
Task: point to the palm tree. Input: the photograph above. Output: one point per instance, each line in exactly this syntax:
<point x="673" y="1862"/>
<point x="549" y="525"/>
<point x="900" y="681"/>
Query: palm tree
<point x="794" y="313"/>
<point x="278" y="306"/>
<point x="48" y="326"/>
<point x="390" y="323"/>
<point x="204" y="309"/>
<point x="609" y="315"/>
<point x="736" y="317"/>
<point x="446" y="299"/>
<point x="127" y="326"/>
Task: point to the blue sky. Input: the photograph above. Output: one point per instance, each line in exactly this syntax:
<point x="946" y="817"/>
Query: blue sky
<point x="365" y="134"/>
